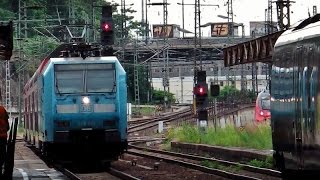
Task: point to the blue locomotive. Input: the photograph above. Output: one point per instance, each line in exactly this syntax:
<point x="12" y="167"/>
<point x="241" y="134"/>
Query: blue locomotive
<point x="295" y="98"/>
<point x="77" y="107"/>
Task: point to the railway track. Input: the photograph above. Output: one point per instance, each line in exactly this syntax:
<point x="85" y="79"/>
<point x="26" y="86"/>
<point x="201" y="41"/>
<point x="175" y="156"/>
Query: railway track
<point x="111" y="174"/>
<point x="144" y="124"/>
<point x="154" y="122"/>
<point x="76" y="174"/>
<point x="194" y="162"/>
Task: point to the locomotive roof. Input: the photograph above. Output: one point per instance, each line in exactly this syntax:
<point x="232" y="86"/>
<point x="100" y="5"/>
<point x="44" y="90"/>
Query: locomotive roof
<point x="302" y="30"/>
<point x="47" y="61"/>
<point x="91" y="59"/>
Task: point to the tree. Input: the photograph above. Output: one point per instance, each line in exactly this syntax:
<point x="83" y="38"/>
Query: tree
<point x="231" y="94"/>
<point x="44" y="36"/>
<point x="228" y="94"/>
<point x="158" y="97"/>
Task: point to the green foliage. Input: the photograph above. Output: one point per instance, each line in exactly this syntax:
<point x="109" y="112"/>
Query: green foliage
<point x="251" y="95"/>
<point x="145" y="111"/>
<point x="216" y="165"/>
<point x="144" y="85"/>
<point x="231" y="94"/>
<point x="35" y="49"/>
<point x="228" y="92"/>
<point x="267" y="163"/>
<point x="6" y="14"/>
<point x="43" y="36"/>
<point x="81" y="10"/>
<point x="257" y="137"/>
<point x="158" y="96"/>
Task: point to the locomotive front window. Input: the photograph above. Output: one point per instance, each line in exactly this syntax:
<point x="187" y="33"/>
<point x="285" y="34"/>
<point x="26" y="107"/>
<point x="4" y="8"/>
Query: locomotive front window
<point x="100" y="81"/>
<point x="265" y="103"/>
<point x="69" y="82"/>
<point x="85" y="78"/>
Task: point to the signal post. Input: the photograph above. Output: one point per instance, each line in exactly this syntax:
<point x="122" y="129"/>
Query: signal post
<point x="107" y="31"/>
<point x="200" y="92"/>
<point x="107" y="26"/>
<point x="201" y="98"/>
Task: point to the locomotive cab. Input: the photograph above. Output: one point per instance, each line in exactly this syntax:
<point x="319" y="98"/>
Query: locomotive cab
<point x="262" y="108"/>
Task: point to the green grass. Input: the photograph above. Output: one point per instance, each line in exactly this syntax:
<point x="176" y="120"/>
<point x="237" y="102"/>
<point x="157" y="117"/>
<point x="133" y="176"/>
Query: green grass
<point x="262" y="164"/>
<point x="145" y="111"/>
<point x="216" y="165"/>
<point x="255" y="136"/>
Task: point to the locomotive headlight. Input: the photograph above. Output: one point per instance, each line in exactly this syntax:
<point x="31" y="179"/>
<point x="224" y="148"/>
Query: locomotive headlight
<point x="261" y="113"/>
<point x="85" y="100"/>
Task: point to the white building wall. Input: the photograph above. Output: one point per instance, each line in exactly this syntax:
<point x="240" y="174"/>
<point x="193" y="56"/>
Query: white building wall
<point x="187" y="85"/>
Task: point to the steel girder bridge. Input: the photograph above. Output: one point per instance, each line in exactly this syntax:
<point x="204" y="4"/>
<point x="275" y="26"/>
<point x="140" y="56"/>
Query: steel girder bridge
<point x="180" y="50"/>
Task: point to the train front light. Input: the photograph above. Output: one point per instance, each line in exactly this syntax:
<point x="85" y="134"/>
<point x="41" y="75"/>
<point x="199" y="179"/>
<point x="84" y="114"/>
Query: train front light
<point x="261" y="113"/>
<point x="85" y="100"/>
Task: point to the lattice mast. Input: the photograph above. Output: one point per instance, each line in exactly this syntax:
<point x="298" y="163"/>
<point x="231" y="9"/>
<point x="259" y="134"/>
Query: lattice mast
<point x="197" y="39"/>
<point x="136" y="78"/>
<point x="269" y="18"/>
<point x="243" y="78"/>
<point x="283" y="13"/>
<point x="230" y="16"/>
<point x="165" y="78"/>
<point x="123" y="27"/>
<point x="8" y="87"/>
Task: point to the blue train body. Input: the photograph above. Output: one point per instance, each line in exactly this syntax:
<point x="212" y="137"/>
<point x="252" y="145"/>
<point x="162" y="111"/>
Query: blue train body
<point x="295" y="98"/>
<point x="77" y="104"/>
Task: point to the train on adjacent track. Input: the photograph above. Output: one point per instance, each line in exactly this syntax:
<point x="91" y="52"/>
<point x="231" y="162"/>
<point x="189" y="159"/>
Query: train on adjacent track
<point x="295" y="98"/>
<point x="75" y="105"/>
<point x="262" y="107"/>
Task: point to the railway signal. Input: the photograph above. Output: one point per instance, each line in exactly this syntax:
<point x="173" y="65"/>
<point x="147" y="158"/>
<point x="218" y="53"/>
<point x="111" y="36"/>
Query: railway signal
<point x="201" y="98"/>
<point x="106" y="24"/>
<point x="214" y="90"/>
<point x="201" y="90"/>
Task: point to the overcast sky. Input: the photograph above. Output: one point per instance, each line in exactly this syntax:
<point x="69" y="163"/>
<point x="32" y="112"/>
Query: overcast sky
<point x="244" y="11"/>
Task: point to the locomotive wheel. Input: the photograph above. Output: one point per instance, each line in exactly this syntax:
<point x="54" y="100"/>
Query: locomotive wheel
<point x="279" y="160"/>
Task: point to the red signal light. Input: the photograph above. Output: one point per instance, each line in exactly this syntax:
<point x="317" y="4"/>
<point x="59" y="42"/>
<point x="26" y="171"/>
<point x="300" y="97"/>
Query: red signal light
<point x="201" y="90"/>
<point x="106" y="27"/>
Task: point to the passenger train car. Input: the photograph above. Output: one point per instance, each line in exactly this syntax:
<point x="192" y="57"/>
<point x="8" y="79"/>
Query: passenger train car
<point x="76" y="107"/>
<point x="262" y="107"/>
<point x="295" y="98"/>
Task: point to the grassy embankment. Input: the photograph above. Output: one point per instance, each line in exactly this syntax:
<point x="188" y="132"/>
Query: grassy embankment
<point x="255" y="137"/>
<point x="144" y="111"/>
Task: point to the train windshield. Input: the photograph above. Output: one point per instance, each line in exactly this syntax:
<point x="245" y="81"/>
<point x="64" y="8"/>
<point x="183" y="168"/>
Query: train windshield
<point x="265" y="103"/>
<point x="85" y="78"/>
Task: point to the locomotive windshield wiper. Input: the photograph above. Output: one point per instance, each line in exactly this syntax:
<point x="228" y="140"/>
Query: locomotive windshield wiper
<point x="113" y="88"/>
<point x="57" y="88"/>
